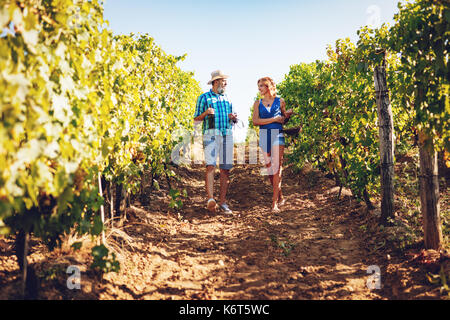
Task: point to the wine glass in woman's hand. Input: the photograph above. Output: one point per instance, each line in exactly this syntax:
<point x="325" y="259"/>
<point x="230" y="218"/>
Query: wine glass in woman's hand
<point x="280" y="119"/>
<point x="289" y="113"/>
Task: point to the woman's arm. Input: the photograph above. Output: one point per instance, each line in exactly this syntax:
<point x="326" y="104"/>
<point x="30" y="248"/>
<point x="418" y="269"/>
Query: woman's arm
<point x="286" y="114"/>
<point x="257" y="121"/>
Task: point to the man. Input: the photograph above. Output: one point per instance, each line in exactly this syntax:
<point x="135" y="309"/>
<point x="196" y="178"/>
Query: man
<point x="216" y="112"/>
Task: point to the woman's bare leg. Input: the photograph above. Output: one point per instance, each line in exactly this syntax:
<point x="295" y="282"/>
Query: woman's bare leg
<point x="268" y="165"/>
<point x="277" y="164"/>
<point x="275" y="182"/>
<point x="280" y="173"/>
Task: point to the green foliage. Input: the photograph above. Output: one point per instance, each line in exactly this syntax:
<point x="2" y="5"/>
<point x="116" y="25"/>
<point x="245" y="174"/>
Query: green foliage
<point x="77" y="245"/>
<point x="104" y="262"/>
<point x="175" y="198"/>
<point x="441" y="280"/>
<point x="421" y="38"/>
<point x="285" y="245"/>
<point x="77" y="101"/>
<point x="337" y="111"/>
<point x="335" y="99"/>
<point x="252" y="129"/>
<point x="52" y="273"/>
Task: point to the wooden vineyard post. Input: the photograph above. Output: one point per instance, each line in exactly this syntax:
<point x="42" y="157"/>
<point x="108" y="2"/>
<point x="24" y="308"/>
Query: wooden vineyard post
<point x="386" y="130"/>
<point x="102" y="209"/>
<point x="22" y="240"/>
<point x="429" y="193"/>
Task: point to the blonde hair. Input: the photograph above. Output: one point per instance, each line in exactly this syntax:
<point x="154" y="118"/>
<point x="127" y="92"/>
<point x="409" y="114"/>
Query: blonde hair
<point x="270" y="85"/>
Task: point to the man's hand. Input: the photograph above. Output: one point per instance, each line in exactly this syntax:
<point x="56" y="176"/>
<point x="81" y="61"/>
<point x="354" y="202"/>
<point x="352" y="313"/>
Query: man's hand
<point x="205" y="114"/>
<point x="233" y="117"/>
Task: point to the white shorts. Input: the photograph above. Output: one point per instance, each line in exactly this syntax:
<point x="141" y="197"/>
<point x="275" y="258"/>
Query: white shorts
<point x="218" y="145"/>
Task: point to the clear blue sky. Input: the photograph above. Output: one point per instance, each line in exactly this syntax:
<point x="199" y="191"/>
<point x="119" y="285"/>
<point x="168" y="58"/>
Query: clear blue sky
<point x="246" y="39"/>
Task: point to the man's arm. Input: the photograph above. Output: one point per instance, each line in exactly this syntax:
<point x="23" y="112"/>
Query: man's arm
<point x="232" y="116"/>
<point x="202" y="116"/>
<point x="200" y="111"/>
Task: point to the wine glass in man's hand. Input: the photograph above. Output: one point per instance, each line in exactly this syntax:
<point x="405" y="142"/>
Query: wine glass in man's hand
<point x="233" y="117"/>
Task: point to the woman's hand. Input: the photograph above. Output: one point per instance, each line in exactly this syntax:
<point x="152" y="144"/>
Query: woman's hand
<point x="279" y="119"/>
<point x="289" y="113"/>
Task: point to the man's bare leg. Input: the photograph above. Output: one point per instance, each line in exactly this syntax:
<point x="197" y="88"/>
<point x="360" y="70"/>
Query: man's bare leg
<point x="224" y="182"/>
<point x="209" y="179"/>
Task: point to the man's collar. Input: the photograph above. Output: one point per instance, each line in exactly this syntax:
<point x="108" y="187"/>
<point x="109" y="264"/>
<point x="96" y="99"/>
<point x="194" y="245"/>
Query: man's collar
<point x="217" y="94"/>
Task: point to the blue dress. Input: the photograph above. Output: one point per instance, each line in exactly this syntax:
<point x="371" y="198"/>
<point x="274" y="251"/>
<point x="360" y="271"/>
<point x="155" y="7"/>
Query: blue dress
<point x="271" y="134"/>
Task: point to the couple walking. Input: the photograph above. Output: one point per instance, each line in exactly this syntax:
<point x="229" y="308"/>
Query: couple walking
<point x="215" y="110"/>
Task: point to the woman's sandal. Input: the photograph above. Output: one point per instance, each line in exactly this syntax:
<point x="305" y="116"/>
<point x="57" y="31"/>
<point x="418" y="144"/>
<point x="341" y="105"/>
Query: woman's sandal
<point x="276" y="210"/>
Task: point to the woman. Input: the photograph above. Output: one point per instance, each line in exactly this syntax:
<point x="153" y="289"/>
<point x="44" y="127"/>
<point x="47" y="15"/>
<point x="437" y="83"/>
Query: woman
<point x="269" y="113"/>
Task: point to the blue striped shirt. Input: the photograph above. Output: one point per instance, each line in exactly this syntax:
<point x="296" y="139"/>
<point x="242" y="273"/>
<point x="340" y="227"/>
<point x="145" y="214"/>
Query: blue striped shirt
<point x="222" y="107"/>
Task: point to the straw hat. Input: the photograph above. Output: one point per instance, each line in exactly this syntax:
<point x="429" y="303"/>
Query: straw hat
<point x="217" y="75"/>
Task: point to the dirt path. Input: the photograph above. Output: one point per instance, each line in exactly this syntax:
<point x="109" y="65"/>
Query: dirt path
<point x="313" y="249"/>
<point x="309" y="251"/>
